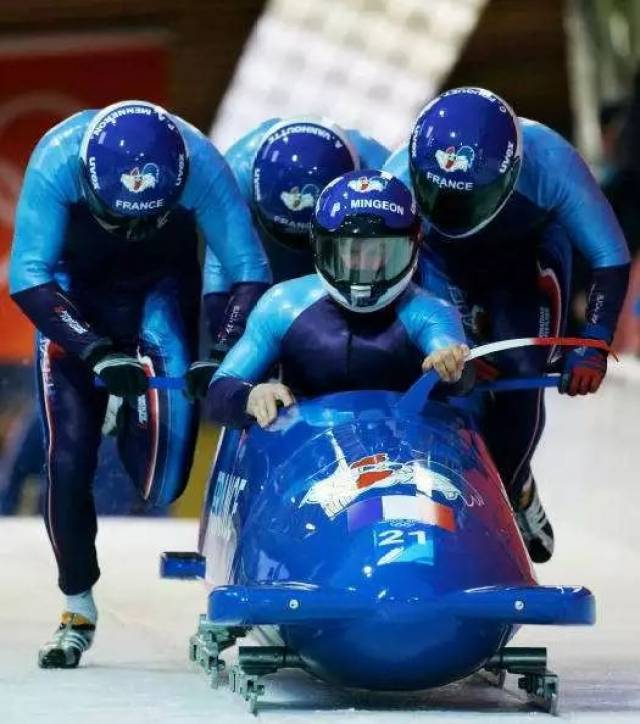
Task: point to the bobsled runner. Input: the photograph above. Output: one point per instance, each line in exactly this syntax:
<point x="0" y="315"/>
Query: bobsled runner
<point x="369" y="536"/>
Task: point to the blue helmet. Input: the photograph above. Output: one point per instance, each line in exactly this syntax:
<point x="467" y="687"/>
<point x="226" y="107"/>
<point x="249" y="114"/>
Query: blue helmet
<point x="365" y="238"/>
<point x="464" y="157"/>
<point x="295" y="160"/>
<point x="133" y="167"/>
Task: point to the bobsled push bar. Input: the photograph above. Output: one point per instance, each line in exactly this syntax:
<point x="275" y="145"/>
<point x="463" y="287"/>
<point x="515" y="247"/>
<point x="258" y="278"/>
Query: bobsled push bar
<point x="413" y="400"/>
<point x="421" y="389"/>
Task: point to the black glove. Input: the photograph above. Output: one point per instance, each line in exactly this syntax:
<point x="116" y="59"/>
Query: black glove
<point x="123" y="375"/>
<point x="199" y="375"/>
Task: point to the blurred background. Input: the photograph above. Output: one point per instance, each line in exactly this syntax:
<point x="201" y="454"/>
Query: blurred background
<point x="369" y="64"/>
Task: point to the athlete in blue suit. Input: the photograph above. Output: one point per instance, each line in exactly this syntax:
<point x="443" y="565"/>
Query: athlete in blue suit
<point x="359" y="323"/>
<point x="105" y="264"/>
<point x="504" y="202"/>
<point x="281" y="167"/>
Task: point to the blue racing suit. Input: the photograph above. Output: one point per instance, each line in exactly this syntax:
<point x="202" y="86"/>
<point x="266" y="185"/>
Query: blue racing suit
<point x="512" y="278"/>
<point x="325" y="348"/>
<point x="85" y="288"/>
<point x="286" y="262"/>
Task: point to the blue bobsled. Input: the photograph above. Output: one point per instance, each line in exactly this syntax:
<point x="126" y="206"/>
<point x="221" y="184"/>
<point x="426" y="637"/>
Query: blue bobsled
<point x="369" y="535"/>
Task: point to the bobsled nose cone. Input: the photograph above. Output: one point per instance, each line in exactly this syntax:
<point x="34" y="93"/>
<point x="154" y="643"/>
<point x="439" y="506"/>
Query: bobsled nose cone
<point x="379" y="654"/>
<point x="404" y="638"/>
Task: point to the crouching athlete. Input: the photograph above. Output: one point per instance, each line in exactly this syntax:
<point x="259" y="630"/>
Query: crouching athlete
<point x="358" y="323"/>
<point x="505" y="201"/>
<point x="281" y="167"/>
<point x="105" y="264"/>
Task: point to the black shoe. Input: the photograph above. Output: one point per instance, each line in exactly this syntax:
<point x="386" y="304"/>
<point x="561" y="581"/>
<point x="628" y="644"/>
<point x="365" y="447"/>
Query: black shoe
<point x="536" y="529"/>
<point x="73" y="637"/>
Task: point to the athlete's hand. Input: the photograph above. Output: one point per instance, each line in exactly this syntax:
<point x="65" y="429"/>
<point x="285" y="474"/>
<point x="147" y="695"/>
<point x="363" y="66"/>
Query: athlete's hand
<point x="123" y="375"/>
<point x="583" y="372"/>
<point x="447" y="362"/>
<point x="263" y="400"/>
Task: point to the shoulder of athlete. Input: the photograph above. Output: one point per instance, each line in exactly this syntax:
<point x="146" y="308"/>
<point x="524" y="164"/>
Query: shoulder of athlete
<point x="205" y="160"/>
<point x="281" y="305"/>
<point x="56" y="157"/>
<point x="550" y="164"/>
<point x="241" y="154"/>
<point x="248" y="144"/>
<point x="430" y="321"/>
<point x="417" y="300"/>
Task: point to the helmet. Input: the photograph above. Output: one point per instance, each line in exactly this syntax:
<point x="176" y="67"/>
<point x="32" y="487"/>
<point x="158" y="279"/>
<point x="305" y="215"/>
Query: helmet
<point x="365" y="238"/>
<point x="294" y="162"/>
<point x="464" y="157"/>
<point x="133" y="162"/>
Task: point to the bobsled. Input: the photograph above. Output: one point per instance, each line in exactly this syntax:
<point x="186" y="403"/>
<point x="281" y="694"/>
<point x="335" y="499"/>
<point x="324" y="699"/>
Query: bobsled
<point x="367" y="537"/>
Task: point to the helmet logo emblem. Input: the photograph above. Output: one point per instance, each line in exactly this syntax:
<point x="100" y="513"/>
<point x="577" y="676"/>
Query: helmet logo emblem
<point x="451" y="160"/>
<point x="297" y="199"/>
<point x="364" y="184"/>
<point x="139" y="180"/>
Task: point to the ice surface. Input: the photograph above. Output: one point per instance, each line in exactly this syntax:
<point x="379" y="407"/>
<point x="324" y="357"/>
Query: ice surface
<point x="589" y="474"/>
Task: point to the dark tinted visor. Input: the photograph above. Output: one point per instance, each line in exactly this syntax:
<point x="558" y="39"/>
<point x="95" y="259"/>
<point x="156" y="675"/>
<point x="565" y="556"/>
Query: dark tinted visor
<point x="460" y="212"/>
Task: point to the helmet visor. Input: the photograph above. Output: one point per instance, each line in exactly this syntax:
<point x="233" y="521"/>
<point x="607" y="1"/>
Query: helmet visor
<point x="364" y="260"/>
<point x="458" y="213"/>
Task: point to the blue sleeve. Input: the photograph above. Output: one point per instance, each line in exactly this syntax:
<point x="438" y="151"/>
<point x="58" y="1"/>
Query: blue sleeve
<point x="431" y="323"/>
<point x="50" y="186"/>
<point x="221" y="212"/>
<point x="556" y="178"/>
<point x="240" y="159"/>
<point x="215" y="279"/>
<point x="372" y="153"/>
<point x="248" y="362"/>
<point x="259" y="348"/>
<point x="225" y="222"/>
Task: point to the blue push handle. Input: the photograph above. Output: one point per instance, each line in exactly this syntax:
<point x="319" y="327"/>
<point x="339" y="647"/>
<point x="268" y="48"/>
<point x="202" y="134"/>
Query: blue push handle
<point x="519" y="383"/>
<point x="157" y="383"/>
<point x="413" y="400"/>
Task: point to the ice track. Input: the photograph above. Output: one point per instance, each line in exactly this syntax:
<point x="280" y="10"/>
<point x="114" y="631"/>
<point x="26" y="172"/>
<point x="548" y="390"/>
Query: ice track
<point x="588" y="471"/>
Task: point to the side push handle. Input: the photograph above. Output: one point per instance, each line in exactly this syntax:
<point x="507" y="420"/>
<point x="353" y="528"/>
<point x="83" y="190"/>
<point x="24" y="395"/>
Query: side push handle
<point x="414" y="399"/>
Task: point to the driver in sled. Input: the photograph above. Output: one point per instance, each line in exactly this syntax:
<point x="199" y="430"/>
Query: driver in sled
<point x="359" y="323"/>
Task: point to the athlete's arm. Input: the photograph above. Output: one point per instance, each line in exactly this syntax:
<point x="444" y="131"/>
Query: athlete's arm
<point x="225" y="222"/>
<point x="41" y="223"/>
<point x="566" y="187"/>
<point x="436" y="328"/>
<point x="247" y="363"/>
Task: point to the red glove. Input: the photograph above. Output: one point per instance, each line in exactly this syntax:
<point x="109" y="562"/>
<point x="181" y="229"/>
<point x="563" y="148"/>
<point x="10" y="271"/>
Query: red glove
<point x="584" y="370"/>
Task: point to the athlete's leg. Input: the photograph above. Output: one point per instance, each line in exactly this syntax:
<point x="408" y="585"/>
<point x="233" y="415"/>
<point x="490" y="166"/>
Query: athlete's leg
<point x="535" y="306"/>
<point x="72" y="413"/>
<point x="157" y="439"/>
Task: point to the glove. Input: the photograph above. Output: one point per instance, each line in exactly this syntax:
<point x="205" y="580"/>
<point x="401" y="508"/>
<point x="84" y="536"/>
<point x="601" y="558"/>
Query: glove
<point x="123" y="375"/>
<point x="199" y="375"/>
<point x="584" y="369"/>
